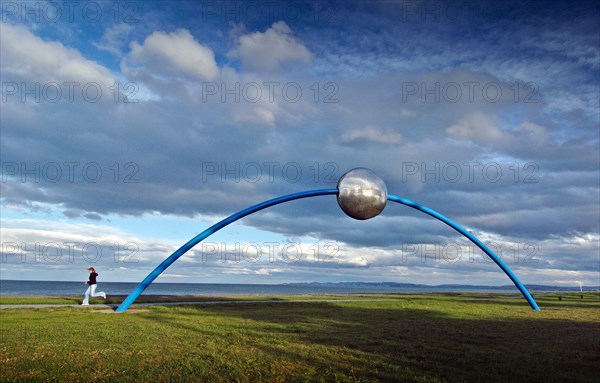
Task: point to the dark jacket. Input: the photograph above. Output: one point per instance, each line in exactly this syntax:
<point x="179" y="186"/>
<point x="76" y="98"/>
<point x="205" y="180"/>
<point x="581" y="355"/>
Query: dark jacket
<point x="92" y="280"/>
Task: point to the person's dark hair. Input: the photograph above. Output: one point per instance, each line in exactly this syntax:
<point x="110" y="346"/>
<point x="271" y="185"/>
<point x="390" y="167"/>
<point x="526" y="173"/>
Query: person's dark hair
<point x="91" y="268"/>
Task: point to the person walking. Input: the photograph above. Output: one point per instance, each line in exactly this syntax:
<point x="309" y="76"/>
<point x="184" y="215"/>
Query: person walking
<point x="91" y="290"/>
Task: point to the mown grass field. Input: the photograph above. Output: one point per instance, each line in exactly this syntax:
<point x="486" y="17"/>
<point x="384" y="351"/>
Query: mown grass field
<point x="423" y="338"/>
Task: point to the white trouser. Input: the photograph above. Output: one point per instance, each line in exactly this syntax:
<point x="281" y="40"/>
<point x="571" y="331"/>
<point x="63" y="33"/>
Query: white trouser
<point x="91" y="292"/>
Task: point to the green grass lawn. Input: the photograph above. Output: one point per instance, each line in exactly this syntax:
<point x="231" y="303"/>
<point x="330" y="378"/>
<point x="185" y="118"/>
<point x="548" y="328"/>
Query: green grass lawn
<point x="116" y="299"/>
<point x="423" y="338"/>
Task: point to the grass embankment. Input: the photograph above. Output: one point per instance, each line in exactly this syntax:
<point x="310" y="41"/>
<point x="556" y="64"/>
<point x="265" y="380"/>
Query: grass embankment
<point x="429" y="338"/>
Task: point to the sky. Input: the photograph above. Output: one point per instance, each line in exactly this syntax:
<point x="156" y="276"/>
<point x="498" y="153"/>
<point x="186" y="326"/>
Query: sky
<point x="129" y="127"/>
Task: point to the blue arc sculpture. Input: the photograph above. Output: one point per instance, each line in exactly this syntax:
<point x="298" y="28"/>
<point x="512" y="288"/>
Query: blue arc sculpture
<point x="361" y="194"/>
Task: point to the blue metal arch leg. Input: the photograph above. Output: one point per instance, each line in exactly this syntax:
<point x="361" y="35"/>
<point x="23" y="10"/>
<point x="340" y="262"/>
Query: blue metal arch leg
<point x="463" y="231"/>
<point x="211" y="230"/>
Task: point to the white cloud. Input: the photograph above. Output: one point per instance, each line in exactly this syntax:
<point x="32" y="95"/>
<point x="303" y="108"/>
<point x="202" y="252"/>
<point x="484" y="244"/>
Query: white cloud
<point x="114" y="38"/>
<point x="271" y="50"/>
<point x="374" y="134"/>
<point x="478" y="128"/>
<point x="169" y="275"/>
<point x="31" y="58"/>
<point x="72" y="245"/>
<point x="176" y="53"/>
<point x="535" y="131"/>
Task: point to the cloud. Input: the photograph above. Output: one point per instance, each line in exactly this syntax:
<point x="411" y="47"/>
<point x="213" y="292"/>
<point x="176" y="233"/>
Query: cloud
<point x="75" y="245"/>
<point x="73" y="213"/>
<point x="478" y="128"/>
<point x="272" y="50"/>
<point x="114" y="39"/>
<point x="536" y="133"/>
<point x="176" y="53"/>
<point x="373" y="134"/>
<point x="544" y="152"/>
<point x="31" y="58"/>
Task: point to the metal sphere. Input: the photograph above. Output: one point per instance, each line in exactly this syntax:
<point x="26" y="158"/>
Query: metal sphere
<point x="361" y="193"/>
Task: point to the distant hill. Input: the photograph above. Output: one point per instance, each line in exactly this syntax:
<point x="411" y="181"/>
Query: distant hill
<point x="448" y="286"/>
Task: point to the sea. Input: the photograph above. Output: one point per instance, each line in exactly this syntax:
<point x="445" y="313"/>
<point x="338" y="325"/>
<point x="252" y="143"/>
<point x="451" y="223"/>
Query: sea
<point x="54" y="288"/>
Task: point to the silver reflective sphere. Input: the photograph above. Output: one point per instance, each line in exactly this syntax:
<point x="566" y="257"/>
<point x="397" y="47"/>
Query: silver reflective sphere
<point x="361" y="194"/>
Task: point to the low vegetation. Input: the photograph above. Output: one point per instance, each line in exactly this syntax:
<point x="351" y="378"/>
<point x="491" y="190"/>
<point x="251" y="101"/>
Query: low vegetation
<point x="383" y="338"/>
